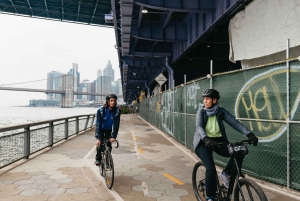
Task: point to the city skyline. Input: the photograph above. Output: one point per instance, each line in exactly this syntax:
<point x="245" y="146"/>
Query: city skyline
<point x="33" y="47"/>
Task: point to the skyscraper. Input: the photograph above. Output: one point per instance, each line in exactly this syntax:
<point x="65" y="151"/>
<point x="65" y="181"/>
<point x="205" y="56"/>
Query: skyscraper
<point x="54" y="82"/>
<point x="76" y="78"/>
<point x="119" y="86"/>
<point x="109" y="71"/>
<point x="103" y="86"/>
<point x="99" y="72"/>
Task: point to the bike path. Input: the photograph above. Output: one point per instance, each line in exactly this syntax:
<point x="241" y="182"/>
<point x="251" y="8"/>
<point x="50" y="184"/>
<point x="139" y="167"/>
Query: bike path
<point x="149" y="165"/>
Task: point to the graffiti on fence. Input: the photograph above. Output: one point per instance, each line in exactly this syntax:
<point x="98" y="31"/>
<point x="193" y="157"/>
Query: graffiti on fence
<point x="167" y="106"/>
<point x="192" y="90"/>
<point x="264" y="97"/>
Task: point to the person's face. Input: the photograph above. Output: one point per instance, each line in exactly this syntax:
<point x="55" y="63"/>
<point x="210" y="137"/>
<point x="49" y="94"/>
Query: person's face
<point x="112" y="102"/>
<point x="208" y="102"/>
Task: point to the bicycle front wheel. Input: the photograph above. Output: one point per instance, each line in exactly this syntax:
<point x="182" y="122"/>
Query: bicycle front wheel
<point x="109" y="170"/>
<point x="198" y="180"/>
<point x="248" y="190"/>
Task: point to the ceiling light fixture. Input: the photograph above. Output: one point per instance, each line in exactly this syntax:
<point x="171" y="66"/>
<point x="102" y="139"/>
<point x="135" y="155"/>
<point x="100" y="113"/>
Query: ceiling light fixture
<point x="144" y="11"/>
<point x="208" y="46"/>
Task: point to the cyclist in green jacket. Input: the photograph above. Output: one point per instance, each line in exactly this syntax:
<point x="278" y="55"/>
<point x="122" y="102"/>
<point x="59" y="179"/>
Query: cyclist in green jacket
<point x="210" y="131"/>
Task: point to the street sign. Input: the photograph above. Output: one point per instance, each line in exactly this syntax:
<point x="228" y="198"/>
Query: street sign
<point x="161" y="79"/>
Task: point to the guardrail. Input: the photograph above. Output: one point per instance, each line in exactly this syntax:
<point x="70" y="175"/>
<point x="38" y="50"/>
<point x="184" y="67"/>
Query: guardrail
<point x="19" y="142"/>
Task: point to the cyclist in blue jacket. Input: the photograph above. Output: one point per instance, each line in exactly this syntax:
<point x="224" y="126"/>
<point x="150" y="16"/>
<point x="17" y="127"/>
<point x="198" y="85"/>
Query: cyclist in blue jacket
<point x="107" y="124"/>
<point x="210" y="131"/>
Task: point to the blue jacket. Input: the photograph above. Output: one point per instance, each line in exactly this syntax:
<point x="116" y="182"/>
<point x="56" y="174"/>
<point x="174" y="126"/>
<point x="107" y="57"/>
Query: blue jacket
<point x="222" y="114"/>
<point x="99" y="121"/>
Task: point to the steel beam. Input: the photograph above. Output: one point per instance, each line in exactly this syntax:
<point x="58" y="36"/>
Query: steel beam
<point x="173" y="32"/>
<point x="12" y="3"/>
<point x="78" y="10"/>
<point x="94" y="12"/>
<point x="62" y="10"/>
<point x="188" y="6"/>
<point x="30" y="7"/>
<point x="46" y="8"/>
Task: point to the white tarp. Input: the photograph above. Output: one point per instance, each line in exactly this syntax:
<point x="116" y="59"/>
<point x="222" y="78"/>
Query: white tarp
<point x="258" y="34"/>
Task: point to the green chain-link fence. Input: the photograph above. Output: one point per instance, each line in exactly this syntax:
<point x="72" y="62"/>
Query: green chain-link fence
<point x="258" y="98"/>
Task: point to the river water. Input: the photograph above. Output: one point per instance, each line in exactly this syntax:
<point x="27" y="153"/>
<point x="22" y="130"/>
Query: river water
<point x="10" y="116"/>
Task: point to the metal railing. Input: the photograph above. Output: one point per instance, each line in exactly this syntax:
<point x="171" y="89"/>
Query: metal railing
<point x="19" y="142"/>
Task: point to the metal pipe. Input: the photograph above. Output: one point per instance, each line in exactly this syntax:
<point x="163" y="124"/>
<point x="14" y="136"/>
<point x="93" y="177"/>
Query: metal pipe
<point x="288" y="113"/>
<point x="148" y="90"/>
<point x="211" y="72"/>
<point x="171" y="74"/>
<point x="185" y="100"/>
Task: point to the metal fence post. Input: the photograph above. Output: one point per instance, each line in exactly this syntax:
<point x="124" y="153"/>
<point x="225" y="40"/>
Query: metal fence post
<point x="185" y="100"/>
<point x="51" y="134"/>
<point x="66" y="129"/>
<point x="288" y="114"/>
<point x="86" y="122"/>
<point x="93" y="118"/>
<point x="27" y="142"/>
<point x="211" y="72"/>
<point x="77" y="125"/>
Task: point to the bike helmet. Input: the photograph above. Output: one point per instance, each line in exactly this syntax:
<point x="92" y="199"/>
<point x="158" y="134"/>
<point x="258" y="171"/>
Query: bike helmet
<point x="111" y="96"/>
<point x="212" y="93"/>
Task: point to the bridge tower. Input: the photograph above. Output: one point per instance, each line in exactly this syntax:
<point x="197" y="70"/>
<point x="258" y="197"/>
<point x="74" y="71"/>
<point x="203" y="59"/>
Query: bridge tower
<point x="67" y="97"/>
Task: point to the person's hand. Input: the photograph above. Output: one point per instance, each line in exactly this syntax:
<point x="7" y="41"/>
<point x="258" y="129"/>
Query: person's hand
<point x="210" y="143"/>
<point x="112" y="140"/>
<point x="98" y="141"/>
<point x="252" y="139"/>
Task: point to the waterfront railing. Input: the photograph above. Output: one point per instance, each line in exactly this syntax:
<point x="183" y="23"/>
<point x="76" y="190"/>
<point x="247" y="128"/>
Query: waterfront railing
<point x="19" y="142"/>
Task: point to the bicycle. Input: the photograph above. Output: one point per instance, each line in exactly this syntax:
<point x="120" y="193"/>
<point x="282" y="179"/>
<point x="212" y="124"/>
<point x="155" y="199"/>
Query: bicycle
<point x="245" y="189"/>
<point x="106" y="166"/>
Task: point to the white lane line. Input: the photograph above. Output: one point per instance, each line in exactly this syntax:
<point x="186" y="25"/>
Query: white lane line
<point x="97" y="173"/>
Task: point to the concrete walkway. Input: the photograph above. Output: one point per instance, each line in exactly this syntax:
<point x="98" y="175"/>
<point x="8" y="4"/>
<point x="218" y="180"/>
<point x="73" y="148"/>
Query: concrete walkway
<point x="148" y="166"/>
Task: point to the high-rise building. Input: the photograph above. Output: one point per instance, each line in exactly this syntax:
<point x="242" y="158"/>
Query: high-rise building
<point x="119" y="86"/>
<point x="109" y="71"/>
<point x="85" y="86"/>
<point x="103" y="86"/>
<point x="76" y="78"/>
<point x="93" y="90"/>
<point x="99" y="72"/>
<point x="54" y="82"/>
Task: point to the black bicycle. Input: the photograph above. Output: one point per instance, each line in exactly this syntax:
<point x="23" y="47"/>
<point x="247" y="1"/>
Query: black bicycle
<point x="245" y="189"/>
<point x="106" y="166"/>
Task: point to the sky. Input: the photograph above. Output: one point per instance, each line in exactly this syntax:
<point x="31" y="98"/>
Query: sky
<point x="30" y="48"/>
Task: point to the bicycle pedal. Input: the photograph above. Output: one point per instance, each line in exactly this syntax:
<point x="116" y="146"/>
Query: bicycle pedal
<point x="223" y="188"/>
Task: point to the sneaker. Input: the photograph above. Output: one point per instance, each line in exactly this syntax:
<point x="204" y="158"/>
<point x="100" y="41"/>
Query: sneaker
<point x="225" y="178"/>
<point x="210" y="200"/>
<point x="97" y="162"/>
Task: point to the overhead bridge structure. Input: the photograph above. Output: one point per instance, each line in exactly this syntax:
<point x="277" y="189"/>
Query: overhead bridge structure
<point x="173" y="37"/>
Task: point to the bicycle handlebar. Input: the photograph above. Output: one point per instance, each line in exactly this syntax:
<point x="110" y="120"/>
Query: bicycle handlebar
<point x="242" y="141"/>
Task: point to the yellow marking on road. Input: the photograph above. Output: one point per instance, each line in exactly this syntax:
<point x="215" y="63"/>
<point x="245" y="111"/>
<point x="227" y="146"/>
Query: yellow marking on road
<point x="173" y="179"/>
<point x="134" y="137"/>
<point x="140" y="150"/>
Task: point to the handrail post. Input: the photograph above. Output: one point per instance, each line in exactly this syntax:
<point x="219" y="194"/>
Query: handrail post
<point x="77" y="125"/>
<point x="66" y="129"/>
<point x="51" y="134"/>
<point x="92" y="124"/>
<point x="86" y="122"/>
<point x="27" y="142"/>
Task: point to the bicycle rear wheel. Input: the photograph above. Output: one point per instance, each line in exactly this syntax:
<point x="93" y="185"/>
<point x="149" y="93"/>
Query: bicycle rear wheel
<point x="109" y="170"/>
<point x="248" y="190"/>
<point x="198" y="180"/>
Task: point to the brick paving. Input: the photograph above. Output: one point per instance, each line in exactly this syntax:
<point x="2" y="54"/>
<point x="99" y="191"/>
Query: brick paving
<point x="148" y="167"/>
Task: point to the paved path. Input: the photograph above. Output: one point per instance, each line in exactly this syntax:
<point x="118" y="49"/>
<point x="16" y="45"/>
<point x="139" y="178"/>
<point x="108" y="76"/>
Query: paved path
<point x="148" y="166"/>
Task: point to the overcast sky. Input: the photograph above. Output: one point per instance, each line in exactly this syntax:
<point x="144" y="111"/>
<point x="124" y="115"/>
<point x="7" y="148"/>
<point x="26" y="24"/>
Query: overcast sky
<point x="30" y="48"/>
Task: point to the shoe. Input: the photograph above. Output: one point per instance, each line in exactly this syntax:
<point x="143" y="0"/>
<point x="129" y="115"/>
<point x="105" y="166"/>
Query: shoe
<point x="97" y="162"/>
<point x="225" y="178"/>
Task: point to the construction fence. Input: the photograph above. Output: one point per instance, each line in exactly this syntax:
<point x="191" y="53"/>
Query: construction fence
<point x="265" y="99"/>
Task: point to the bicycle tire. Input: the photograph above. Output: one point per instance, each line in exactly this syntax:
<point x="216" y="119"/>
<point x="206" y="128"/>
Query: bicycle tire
<point x="248" y="190"/>
<point x="198" y="180"/>
<point x="109" y="171"/>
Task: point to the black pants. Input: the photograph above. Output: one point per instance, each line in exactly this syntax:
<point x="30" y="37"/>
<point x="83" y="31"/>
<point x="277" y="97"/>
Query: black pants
<point x="206" y="156"/>
<point x="107" y="135"/>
